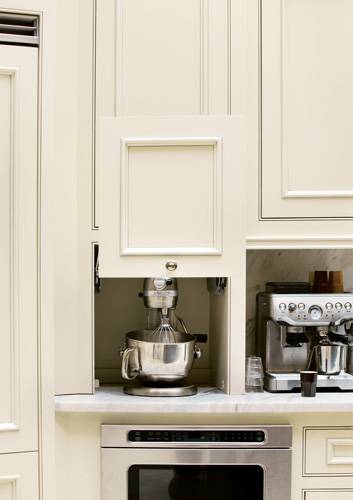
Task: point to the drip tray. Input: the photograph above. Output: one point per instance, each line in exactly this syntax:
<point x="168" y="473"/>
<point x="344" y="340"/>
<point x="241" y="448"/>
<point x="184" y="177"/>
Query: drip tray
<point x="162" y="391"/>
<point x="286" y="382"/>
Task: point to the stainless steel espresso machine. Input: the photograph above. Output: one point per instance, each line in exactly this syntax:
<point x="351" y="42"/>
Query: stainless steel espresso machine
<point x="299" y="331"/>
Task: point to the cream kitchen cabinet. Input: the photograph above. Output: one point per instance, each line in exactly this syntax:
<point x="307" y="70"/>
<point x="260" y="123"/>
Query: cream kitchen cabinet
<point x="328" y="451"/>
<point x="18" y="250"/>
<point x="307" y="108"/>
<point x="171" y="196"/>
<point x="161" y="61"/>
<point x="170" y="182"/>
<point x="19" y="476"/>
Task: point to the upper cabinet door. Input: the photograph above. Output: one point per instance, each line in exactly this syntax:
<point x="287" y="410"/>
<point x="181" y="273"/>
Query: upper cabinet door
<point x="163" y="57"/>
<point x="18" y="248"/>
<point x="307" y="109"/>
<point x="171" y="188"/>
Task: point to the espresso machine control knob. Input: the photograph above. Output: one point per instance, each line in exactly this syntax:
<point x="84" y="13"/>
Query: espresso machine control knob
<point x="292" y="307"/>
<point x="348" y="306"/>
<point x="315" y="312"/>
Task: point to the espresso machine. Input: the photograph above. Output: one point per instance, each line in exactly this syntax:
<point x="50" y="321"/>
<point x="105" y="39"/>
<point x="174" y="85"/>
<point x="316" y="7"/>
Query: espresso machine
<point x="304" y="331"/>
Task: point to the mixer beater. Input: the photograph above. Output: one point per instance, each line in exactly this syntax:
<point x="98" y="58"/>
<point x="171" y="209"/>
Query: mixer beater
<point x="164" y="333"/>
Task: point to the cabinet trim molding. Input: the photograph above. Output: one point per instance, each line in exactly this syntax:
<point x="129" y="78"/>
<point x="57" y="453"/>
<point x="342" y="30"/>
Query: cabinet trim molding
<point x="288" y="242"/>
<point x="13" y="481"/>
<point x="287" y="193"/>
<point x="332" y="446"/>
<point x="13" y="425"/>
<point x="216" y="143"/>
<point x="209" y="25"/>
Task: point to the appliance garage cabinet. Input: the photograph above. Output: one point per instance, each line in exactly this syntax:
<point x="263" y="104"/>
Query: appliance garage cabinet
<point x="170" y="155"/>
<point x="18" y="251"/>
<point x="167" y="173"/>
<point x="170" y="162"/>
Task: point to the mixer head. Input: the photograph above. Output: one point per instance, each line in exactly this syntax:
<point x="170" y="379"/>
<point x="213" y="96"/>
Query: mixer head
<point x="160" y="293"/>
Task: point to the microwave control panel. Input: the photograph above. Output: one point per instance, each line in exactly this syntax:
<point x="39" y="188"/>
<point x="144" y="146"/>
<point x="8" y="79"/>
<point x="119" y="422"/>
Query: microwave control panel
<point x="197" y="436"/>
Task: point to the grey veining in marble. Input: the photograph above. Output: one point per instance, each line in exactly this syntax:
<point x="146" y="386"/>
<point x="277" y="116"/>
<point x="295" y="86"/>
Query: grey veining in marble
<point x="208" y="400"/>
<point x="288" y="265"/>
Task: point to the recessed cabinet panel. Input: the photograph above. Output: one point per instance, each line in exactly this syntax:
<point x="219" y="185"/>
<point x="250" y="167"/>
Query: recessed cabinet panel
<point x="165" y="56"/>
<point x="19" y="476"/>
<point x="171" y="189"/>
<point x="18" y="255"/>
<point x="307" y="105"/>
<point x="170" y="201"/>
<point x="7" y="313"/>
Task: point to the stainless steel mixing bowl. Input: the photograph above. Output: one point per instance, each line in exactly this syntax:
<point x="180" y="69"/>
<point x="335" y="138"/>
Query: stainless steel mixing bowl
<point x="154" y="362"/>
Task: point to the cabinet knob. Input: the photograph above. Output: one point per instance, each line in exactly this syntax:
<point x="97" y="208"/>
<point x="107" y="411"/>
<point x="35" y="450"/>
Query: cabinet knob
<point x="171" y="265"/>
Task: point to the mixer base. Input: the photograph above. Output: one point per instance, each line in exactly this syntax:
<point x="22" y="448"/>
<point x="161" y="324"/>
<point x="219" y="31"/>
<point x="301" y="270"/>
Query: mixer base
<point x="162" y="391"/>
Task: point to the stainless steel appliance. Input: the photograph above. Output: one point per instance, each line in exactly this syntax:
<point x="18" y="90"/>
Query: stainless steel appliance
<point x="300" y="331"/>
<point x="160" y="367"/>
<point x="196" y="463"/>
<point x="157" y="360"/>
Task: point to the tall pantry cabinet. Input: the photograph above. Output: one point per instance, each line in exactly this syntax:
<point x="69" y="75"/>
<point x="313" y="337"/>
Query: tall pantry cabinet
<point x="18" y="255"/>
<point x="26" y="391"/>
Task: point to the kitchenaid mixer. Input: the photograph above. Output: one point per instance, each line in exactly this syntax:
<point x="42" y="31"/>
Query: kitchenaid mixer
<point x="157" y="360"/>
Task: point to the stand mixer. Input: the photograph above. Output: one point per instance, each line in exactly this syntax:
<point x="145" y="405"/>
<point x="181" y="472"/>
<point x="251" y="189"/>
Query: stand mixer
<point x="158" y="359"/>
<point x="297" y="332"/>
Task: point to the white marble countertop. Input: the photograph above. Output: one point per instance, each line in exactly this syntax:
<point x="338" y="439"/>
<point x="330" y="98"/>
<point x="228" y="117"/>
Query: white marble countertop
<point x="111" y="399"/>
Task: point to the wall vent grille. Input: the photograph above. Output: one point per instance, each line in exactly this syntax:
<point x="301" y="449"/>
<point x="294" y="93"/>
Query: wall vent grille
<point x="19" y="29"/>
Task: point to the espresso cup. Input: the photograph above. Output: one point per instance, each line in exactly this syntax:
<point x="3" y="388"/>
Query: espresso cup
<point x="308" y="382"/>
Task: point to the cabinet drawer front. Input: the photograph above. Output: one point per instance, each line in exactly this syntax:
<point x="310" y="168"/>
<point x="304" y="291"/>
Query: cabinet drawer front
<point x="328" y="495"/>
<point x="328" y="451"/>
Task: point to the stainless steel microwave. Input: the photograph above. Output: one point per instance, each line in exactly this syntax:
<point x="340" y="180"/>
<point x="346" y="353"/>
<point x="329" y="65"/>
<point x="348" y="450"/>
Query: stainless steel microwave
<point x="196" y="463"/>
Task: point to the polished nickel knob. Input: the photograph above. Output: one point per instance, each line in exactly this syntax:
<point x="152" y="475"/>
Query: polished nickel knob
<point x="171" y="265"/>
<point x="292" y="307"/>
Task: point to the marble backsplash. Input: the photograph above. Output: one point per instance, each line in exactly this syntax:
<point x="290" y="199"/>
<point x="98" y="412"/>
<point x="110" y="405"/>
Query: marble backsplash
<point x="288" y="265"/>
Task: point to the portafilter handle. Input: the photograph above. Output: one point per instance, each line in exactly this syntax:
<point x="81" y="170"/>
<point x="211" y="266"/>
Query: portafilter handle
<point x="340" y="321"/>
